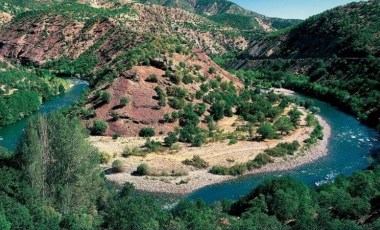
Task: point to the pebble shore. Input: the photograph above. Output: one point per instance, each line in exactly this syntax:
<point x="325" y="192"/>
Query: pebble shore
<point x="200" y="178"/>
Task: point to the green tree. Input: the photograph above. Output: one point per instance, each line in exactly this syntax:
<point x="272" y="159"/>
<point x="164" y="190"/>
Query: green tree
<point x="171" y="139"/>
<point x="4" y="224"/>
<point x="295" y="116"/>
<point x="61" y="165"/>
<point x="284" y="124"/>
<point x="106" y="97"/>
<point x="147" y="132"/>
<point x="267" y="131"/>
<point x="99" y="127"/>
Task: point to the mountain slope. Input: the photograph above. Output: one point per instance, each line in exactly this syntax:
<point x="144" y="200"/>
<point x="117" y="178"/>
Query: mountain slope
<point x="228" y="13"/>
<point x="338" y="50"/>
<point x="348" y="31"/>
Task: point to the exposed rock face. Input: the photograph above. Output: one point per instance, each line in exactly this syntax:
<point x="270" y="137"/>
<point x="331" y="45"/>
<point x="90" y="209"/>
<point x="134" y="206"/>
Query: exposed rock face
<point x="159" y="19"/>
<point x="49" y="38"/>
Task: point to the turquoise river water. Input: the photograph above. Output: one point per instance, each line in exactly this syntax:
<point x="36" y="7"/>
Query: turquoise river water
<point x="9" y="135"/>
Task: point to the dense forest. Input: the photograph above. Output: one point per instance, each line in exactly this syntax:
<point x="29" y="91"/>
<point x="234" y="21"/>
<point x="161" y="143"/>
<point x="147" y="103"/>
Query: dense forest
<point x="22" y="91"/>
<point x="39" y="190"/>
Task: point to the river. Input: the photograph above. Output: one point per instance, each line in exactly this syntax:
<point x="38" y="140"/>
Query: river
<point x="350" y="145"/>
<point x="9" y="135"/>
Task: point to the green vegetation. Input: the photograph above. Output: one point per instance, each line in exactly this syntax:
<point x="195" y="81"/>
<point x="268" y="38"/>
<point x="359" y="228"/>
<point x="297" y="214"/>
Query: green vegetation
<point x="197" y="162"/>
<point x="147" y="132"/>
<point x="118" y="166"/>
<point x="99" y="127"/>
<point x="267" y="131"/>
<point x="340" y="67"/>
<point x="38" y="193"/>
<point x="283" y="149"/>
<point x="142" y="170"/>
<point x="52" y="181"/>
<point x="23" y="90"/>
<point x="123" y="102"/>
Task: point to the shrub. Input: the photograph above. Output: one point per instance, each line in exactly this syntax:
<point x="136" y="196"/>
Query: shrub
<point x="104" y="158"/>
<point x="152" y="146"/>
<point x="237" y="170"/>
<point x="187" y="79"/>
<point x="176" y="103"/>
<point x="161" y="96"/>
<point x="132" y="152"/>
<point x="260" y="160"/>
<point x="118" y="166"/>
<point x="106" y="97"/>
<point x="99" y="127"/>
<point x="233" y="140"/>
<point x="116" y="136"/>
<point x="152" y="78"/>
<point x="219" y="170"/>
<point x="283" y="149"/>
<point x="115" y="115"/>
<point x="198" y="140"/>
<point x="147" y="132"/>
<point x="267" y="131"/>
<point x="171" y="139"/>
<point x="197" y="162"/>
<point x="212" y="70"/>
<point x="123" y="101"/>
<point x="142" y="170"/>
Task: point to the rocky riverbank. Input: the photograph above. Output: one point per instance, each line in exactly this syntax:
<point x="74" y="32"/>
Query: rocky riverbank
<point x="196" y="179"/>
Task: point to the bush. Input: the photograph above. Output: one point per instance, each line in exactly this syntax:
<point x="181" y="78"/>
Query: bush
<point x="99" y="127"/>
<point x="197" y="162"/>
<point x="116" y="136"/>
<point x="104" y="158"/>
<point x="115" y="115"/>
<point x="260" y="160"/>
<point x="152" y="146"/>
<point x="147" y="132"/>
<point x="142" y="170"/>
<point x="233" y="140"/>
<point x="176" y="103"/>
<point x="152" y="78"/>
<point x="198" y="140"/>
<point x="106" y="97"/>
<point x="118" y="166"/>
<point x="267" y="131"/>
<point x="283" y="149"/>
<point x="133" y="152"/>
<point x="219" y="170"/>
<point x="123" y="101"/>
<point x="237" y="170"/>
<point x="171" y="139"/>
<point x="187" y="79"/>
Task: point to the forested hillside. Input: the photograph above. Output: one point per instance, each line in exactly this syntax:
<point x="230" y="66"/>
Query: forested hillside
<point x="336" y="51"/>
<point x="228" y="13"/>
<point x="23" y="90"/>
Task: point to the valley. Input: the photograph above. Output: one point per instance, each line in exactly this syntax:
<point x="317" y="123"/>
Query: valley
<point x="108" y="105"/>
